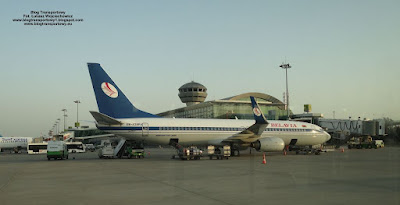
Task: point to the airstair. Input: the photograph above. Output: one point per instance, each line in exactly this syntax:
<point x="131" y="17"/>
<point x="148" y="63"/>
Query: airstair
<point x="120" y="148"/>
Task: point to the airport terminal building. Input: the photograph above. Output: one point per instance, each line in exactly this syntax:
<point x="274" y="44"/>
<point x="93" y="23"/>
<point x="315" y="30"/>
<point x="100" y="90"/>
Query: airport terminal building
<point x="239" y="106"/>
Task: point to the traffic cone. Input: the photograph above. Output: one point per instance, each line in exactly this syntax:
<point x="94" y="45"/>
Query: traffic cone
<point x="264" y="160"/>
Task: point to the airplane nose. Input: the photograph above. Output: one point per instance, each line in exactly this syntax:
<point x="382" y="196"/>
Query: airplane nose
<point x="328" y="136"/>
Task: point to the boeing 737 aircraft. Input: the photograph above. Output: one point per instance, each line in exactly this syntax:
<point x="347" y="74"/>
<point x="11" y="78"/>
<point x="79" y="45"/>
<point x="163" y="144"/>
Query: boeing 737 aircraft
<point x="14" y="143"/>
<point x="118" y="116"/>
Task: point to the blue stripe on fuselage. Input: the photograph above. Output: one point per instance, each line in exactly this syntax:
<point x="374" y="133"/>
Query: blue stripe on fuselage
<point x="202" y="129"/>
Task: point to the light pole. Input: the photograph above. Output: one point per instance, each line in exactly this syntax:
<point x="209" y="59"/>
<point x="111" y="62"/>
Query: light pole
<point x="55" y="127"/>
<point x="286" y="66"/>
<point x="77" y="119"/>
<point x="65" y="115"/>
<point x="58" y="125"/>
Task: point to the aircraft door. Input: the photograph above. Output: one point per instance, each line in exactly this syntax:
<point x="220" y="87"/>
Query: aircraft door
<point x="145" y="129"/>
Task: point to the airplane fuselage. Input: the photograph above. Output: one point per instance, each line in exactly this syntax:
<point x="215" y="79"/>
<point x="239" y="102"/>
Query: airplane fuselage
<point x="202" y="132"/>
<point x="14" y="142"/>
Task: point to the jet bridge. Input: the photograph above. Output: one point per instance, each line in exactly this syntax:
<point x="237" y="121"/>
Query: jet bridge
<point x="341" y="129"/>
<point x="347" y="127"/>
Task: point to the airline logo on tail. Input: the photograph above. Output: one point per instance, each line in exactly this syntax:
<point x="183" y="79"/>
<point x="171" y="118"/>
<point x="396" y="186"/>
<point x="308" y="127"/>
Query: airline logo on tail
<point x="257" y="111"/>
<point x="109" y="90"/>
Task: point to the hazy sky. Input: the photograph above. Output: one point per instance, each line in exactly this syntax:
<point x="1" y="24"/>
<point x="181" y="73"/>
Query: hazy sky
<point x="344" y="56"/>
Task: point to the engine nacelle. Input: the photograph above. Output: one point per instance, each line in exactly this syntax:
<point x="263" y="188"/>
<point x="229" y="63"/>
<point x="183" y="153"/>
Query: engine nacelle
<point x="269" y="144"/>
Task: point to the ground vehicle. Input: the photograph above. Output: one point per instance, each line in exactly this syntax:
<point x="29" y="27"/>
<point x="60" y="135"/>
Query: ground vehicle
<point x="187" y="153"/>
<point x="216" y="152"/>
<point x="379" y="143"/>
<point x="57" y="150"/>
<point x="306" y="151"/>
<point x="106" y="150"/>
<point x="90" y="147"/>
<point x="361" y="142"/>
<point x="37" y="148"/>
<point x="123" y="148"/>
<point x="75" y="147"/>
<point x="132" y="152"/>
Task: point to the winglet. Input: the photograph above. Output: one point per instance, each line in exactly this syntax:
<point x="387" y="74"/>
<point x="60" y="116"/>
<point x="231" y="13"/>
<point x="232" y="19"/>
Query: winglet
<point x="258" y="115"/>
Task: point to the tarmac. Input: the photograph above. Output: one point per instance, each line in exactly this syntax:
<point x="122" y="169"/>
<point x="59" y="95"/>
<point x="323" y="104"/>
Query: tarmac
<point x="349" y="177"/>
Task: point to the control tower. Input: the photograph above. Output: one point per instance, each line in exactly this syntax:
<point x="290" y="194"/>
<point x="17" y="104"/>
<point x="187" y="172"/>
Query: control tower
<point x="192" y="93"/>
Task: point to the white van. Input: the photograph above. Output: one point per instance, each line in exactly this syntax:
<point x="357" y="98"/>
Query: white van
<point x="57" y="150"/>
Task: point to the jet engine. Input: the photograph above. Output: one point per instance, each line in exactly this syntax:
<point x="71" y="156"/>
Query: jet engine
<point x="269" y="144"/>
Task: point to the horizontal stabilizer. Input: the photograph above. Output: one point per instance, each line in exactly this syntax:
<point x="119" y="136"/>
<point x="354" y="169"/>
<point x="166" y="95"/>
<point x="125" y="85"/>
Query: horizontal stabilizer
<point x="104" y="119"/>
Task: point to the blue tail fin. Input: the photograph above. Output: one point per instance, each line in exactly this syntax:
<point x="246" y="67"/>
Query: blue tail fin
<point x="110" y="99"/>
<point x="258" y="115"/>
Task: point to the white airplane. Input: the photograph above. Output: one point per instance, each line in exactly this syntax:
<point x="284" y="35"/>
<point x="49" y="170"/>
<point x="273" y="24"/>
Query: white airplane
<point x="14" y="144"/>
<point x="118" y="116"/>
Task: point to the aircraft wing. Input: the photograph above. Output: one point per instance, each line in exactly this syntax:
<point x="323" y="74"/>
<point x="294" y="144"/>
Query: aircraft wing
<point x="253" y="132"/>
